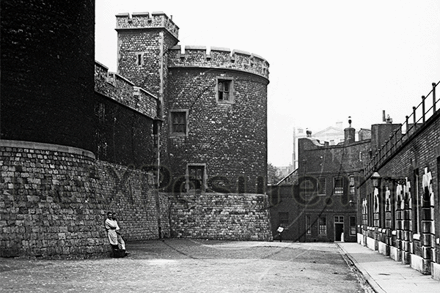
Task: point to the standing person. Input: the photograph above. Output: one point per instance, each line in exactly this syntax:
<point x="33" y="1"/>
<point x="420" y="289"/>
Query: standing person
<point x="110" y="226"/>
<point x="280" y="231"/>
<point x="121" y="242"/>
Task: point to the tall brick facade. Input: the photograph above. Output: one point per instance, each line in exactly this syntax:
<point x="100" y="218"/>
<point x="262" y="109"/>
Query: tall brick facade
<point x="319" y="205"/>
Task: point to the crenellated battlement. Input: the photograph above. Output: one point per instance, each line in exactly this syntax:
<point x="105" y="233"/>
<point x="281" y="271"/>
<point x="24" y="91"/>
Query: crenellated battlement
<point x="143" y="20"/>
<point x="215" y="57"/>
<point x="124" y="91"/>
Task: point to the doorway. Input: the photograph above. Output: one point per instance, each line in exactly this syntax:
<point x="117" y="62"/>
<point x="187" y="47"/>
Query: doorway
<point x="339" y="228"/>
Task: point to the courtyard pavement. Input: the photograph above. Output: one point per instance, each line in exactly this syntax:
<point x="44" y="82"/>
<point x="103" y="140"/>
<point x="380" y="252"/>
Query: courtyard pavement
<point x="183" y="265"/>
<point x="385" y="274"/>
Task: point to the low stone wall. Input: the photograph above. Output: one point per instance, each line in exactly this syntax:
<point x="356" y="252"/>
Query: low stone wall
<point x="54" y="199"/>
<point x="48" y="201"/>
<point x="220" y="216"/>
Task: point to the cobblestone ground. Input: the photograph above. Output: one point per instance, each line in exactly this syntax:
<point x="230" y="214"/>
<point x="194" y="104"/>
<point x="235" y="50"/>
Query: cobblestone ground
<point x="178" y="265"/>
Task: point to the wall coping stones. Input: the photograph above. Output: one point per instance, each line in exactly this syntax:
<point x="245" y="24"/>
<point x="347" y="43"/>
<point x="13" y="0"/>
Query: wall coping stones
<point x="46" y="146"/>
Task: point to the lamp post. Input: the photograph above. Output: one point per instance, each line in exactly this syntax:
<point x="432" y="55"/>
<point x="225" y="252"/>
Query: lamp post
<point x="375" y="178"/>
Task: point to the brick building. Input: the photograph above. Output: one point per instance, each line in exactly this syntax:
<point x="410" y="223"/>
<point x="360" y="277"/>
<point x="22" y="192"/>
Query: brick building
<point x="398" y="204"/>
<point x="317" y="201"/>
<point x="77" y="140"/>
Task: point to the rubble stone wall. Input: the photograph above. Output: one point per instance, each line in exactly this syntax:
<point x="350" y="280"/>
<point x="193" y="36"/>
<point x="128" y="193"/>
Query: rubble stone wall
<point x="54" y="200"/>
<point x="220" y="216"/>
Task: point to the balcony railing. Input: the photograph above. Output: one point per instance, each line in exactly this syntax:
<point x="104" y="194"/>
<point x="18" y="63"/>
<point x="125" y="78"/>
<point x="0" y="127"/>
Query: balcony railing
<point x="420" y="114"/>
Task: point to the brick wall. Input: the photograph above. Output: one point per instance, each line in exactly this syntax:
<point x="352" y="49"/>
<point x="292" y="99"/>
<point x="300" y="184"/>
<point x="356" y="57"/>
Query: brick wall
<point x="419" y="152"/>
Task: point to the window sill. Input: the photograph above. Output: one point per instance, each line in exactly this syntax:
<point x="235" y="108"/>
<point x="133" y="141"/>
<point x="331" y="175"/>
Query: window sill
<point x="176" y="135"/>
<point x="225" y="102"/>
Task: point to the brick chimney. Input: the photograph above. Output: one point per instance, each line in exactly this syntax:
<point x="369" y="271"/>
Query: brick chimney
<point x="349" y="133"/>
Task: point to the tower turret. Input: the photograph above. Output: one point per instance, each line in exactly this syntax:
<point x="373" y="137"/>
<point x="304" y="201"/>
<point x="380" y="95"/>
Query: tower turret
<point x="143" y="43"/>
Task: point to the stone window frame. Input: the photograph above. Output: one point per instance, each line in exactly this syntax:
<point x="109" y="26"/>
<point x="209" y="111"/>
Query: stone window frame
<point x="187" y="176"/>
<point x="231" y="91"/>
<point x="174" y="133"/>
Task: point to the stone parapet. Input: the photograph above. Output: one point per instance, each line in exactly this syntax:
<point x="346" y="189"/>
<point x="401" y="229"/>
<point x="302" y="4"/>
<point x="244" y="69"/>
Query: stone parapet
<point x="124" y="91"/>
<point x="143" y="20"/>
<point x="220" y="58"/>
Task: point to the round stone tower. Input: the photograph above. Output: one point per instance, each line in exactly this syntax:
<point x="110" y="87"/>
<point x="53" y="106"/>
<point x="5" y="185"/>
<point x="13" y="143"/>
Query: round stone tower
<point x="222" y="96"/>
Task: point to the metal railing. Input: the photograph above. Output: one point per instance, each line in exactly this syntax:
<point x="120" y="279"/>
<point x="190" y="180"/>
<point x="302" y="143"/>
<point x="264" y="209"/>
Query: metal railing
<point x="420" y="114"/>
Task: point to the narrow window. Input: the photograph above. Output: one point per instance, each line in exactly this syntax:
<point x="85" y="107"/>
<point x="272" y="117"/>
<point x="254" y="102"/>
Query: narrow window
<point x="352" y="185"/>
<point x="322" y="226"/>
<point x="140" y="58"/>
<point x="321" y="188"/>
<point x="196" y="177"/>
<point x="225" y="89"/>
<point x="339" y="186"/>
<point x="416" y="202"/>
<point x="352" y="225"/>
<point x="178" y="122"/>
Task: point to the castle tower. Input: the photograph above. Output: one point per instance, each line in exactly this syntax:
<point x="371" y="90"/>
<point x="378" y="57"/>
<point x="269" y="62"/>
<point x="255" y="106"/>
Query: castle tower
<point x="47" y="63"/>
<point x="216" y="111"/>
<point x="143" y="44"/>
<point x="202" y="92"/>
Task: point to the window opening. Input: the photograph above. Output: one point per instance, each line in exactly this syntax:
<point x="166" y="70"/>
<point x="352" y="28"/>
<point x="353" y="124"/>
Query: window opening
<point x="178" y="122"/>
<point x="322" y="226"/>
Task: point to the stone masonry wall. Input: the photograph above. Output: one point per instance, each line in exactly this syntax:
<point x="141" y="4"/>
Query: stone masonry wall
<point x="200" y="56"/>
<point x="124" y="91"/>
<point x="220" y="216"/>
<point x="49" y="204"/>
<point x="239" y="147"/>
<point x="54" y="199"/>
<point x="47" y="57"/>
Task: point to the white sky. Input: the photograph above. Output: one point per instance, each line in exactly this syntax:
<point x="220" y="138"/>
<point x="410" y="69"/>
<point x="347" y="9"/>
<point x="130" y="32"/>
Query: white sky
<point x="329" y="59"/>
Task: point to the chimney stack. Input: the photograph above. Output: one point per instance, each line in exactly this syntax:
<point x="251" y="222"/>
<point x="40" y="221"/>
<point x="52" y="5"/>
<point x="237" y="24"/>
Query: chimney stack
<point x="349" y="133"/>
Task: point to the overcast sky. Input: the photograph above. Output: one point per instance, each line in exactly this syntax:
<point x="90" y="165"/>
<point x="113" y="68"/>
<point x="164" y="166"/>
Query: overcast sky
<point x="329" y="59"/>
